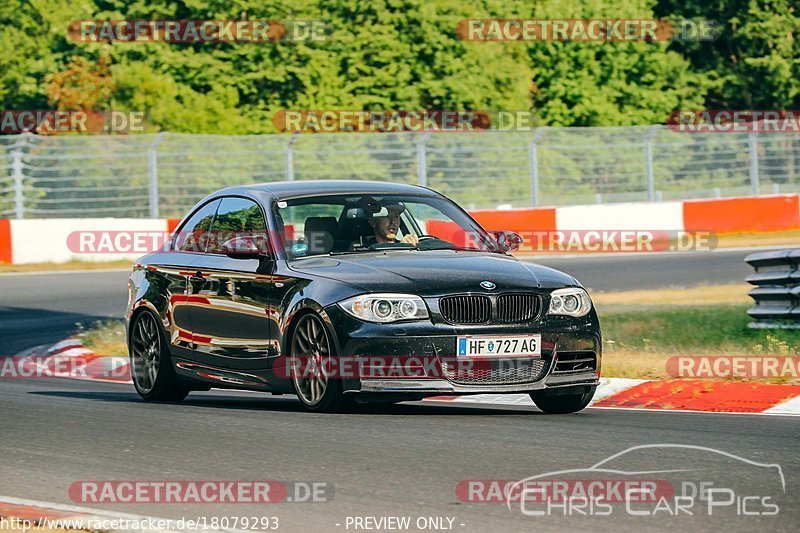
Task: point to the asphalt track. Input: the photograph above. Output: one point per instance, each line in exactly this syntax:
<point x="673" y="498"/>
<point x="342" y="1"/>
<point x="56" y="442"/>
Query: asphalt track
<point x="403" y="460"/>
<point x="43" y="308"/>
<point x="391" y="461"/>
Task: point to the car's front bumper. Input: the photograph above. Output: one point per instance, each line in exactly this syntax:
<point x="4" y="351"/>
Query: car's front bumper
<point x="561" y="339"/>
<point x="445" y="387"/>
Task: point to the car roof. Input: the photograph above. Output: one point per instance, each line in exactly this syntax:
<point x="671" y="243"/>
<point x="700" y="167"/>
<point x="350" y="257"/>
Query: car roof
<point x="293" y="189"/>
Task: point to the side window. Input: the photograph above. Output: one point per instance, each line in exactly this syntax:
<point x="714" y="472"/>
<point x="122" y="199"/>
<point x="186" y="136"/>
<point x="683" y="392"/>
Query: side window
<point x="324" y="218"/>
<point x="237" y="217"/>
<point x="193" y="235"/>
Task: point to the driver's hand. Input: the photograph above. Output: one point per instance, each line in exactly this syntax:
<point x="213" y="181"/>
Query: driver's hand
<point x="410" y="239"/>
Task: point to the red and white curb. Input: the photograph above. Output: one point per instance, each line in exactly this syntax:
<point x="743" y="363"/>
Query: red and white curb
<point x="30" y="515"/>
<point x="700" y="395"/>
<point x="68" y="359"/>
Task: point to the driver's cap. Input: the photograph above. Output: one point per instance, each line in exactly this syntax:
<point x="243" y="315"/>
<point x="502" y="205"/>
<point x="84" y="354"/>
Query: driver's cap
<point x="390" y="210"/>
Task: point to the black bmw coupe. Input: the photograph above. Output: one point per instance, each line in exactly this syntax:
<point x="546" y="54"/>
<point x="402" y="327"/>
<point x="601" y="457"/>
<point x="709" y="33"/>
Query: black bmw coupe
<point x="345" y="292"/>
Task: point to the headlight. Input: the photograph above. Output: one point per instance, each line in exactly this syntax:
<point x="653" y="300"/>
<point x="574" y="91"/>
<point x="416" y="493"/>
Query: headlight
<point x="571" y="302"/>
<point x="385" y="307"/>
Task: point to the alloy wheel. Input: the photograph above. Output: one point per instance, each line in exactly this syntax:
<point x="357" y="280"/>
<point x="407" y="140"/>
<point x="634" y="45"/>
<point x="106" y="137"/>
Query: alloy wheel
<point x="311" y="352"/>
<point x="145" y="352"/>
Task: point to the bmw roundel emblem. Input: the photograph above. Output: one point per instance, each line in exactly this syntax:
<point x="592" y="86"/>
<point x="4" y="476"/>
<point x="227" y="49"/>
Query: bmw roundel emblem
<point x="488" y="285"/>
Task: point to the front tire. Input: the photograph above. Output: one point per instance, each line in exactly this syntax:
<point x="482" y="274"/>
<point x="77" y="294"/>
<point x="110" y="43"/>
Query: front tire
<point x="151" y="366"/>
<point x="563" y="403"/>
<point x="310" y="354"/>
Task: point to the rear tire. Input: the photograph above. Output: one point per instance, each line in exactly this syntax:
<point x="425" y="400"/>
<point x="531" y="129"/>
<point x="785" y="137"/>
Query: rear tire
<point x="151" y="366"/>
<point x="310" y="352"/>
<point x="562" y="404"/>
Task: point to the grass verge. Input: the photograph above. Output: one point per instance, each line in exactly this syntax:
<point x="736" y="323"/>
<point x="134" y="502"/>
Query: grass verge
<point x="637" y="344"/>
<point x="773" y="238"/>
<point x="106" y="338"/>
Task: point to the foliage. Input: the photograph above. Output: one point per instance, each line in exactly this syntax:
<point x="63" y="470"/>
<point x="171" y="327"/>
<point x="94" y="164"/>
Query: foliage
<point x="81" y="86"/>
<point x="396" y="54"/>
<point x="754" y="62"/>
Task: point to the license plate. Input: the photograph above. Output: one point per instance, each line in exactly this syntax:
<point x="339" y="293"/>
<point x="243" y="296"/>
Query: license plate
<point x="499" y="346"/>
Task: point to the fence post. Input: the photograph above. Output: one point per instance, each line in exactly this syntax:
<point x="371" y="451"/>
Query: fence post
<point x="422" y="163"/>
<point x="16" y="173"/>
<point x="752" y="142"/>
<point x="648" y="164"/>
<point x="289" y="151"/>
<point x="152" y="163"/>
<point x="533" y="156"/>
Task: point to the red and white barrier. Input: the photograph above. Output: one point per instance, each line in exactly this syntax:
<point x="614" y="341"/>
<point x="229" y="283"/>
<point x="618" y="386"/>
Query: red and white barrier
<point x="719" y="216"/>
<point x="56" y="240"/>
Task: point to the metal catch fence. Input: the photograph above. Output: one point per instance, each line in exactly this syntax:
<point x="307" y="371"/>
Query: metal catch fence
<point x="162" y="175"/>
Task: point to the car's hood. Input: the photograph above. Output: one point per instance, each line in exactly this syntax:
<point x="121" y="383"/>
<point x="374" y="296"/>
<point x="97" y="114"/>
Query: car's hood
<point x="432" y="272"/>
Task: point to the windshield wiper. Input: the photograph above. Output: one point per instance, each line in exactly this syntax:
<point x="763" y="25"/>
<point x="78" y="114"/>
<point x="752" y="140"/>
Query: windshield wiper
<point x="451" y="247"/>
<point x="350" y="252"/>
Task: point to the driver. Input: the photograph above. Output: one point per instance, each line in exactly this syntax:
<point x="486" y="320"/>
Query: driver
<point x="386" y="222"/>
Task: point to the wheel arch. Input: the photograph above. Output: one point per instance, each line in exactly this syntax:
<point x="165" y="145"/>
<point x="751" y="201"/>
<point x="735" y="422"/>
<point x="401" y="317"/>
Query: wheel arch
<point x="300" y="309"/>
<point x="143" y="306"/>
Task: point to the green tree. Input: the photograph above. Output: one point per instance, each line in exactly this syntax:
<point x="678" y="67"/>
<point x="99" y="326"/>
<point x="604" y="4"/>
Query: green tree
<point x="755" y="62"/>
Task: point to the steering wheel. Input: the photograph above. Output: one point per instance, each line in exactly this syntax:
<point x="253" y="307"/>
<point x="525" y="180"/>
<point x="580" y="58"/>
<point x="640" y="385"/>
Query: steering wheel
<point x="426" y="237"/>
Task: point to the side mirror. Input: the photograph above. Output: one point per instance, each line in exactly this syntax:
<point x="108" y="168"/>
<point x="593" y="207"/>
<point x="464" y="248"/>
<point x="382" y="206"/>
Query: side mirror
<point x="249" y="247"/>
<point x="509" y="241"/>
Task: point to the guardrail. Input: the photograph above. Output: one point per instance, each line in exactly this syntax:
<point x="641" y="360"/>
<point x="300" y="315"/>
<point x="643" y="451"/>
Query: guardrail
<point x="777" y="289"/>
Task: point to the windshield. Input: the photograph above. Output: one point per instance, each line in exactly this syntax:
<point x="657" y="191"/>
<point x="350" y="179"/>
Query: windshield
<point x="346" y="224"/>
